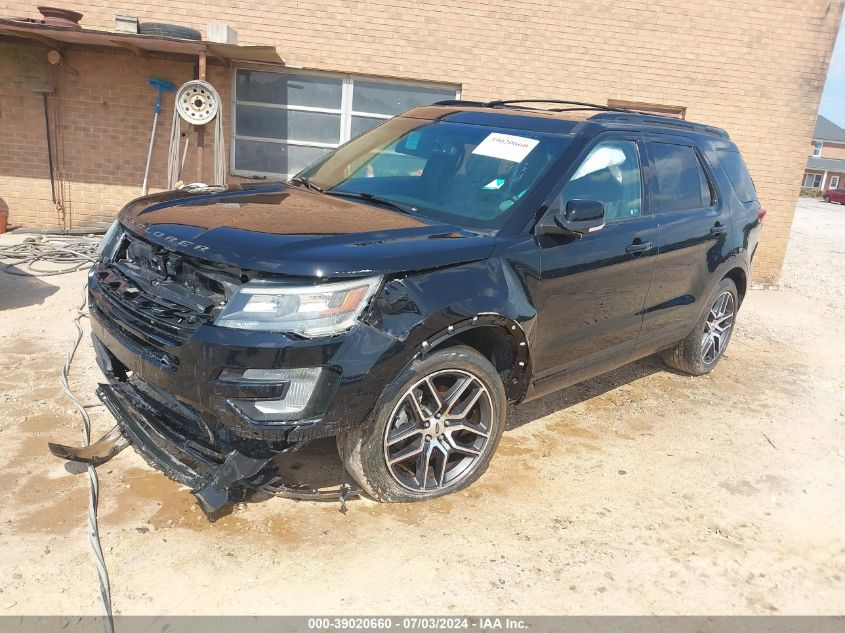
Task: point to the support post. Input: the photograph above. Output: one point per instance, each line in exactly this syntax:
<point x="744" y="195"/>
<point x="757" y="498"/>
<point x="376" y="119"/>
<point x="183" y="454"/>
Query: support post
<point x="201" y="69"/>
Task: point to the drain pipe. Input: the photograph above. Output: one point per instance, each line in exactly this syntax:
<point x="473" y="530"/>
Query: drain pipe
<point x="46" y="91"/>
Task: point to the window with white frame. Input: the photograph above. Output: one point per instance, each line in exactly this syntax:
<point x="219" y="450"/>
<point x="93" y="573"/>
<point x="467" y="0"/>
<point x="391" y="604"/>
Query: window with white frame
<point x="284" y="121"/>
<point x="812" y="181"/>
<point x="834" y="182"/>
<point x="817" y="148"/>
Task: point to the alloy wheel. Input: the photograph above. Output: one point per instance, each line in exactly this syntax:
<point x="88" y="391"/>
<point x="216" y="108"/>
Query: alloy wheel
<point x="438" y="431"/>
<point x="717" y="328"/>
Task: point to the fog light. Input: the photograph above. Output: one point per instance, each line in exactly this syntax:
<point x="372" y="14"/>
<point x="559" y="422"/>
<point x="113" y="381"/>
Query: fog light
<point x="301" y="384"/>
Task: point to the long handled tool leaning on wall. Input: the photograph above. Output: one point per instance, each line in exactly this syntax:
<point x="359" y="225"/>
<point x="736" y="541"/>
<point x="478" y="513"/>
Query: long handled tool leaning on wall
<point x="161" y="86"/>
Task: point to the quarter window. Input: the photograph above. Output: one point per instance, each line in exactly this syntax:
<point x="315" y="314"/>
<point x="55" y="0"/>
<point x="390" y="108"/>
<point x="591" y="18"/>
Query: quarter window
<point x="285" y="121"/>
<point x="610" y="174"/>
<point x="738" y="174"/>
<point x="682" y="183"/>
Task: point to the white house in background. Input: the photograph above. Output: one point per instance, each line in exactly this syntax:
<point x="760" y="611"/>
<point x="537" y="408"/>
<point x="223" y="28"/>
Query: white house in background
<point x="826" y="163"/>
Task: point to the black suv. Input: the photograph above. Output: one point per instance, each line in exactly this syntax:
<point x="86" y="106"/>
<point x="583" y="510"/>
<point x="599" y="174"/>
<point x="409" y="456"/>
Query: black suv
<point x="401" y="291"/>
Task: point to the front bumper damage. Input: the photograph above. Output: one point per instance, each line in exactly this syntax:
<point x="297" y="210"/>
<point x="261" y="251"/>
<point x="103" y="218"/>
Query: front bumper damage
<point x="216" y="477"/>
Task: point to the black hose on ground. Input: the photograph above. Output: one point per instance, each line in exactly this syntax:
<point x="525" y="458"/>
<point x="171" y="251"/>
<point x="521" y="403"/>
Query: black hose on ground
<point x="75" y="253"/>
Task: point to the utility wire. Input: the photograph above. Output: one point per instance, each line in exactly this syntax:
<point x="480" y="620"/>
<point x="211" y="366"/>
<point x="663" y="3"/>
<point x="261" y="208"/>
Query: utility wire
<point x="94" y="486"/>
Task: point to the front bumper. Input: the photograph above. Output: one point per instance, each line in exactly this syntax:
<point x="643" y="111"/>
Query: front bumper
<point x="355" y="370"/>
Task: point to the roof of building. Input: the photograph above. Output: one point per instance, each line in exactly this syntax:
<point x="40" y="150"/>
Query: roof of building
<point x="827" y="130"/>
<point x="826" y="164"/>
<point x="57" y="36"/>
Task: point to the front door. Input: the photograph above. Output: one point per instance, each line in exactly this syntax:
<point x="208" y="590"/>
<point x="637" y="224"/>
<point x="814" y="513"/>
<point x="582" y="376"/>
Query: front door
<point x="592" y="289"/>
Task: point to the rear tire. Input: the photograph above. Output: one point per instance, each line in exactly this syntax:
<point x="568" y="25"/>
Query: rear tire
<point x="701" y="351"/>
<point x="169" y="30"/>
<point x="826" y="198"/>
<point x="433" y="432"/>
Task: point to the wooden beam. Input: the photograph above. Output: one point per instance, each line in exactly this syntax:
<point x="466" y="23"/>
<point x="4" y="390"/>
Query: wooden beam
<point x="41" y="39"/>
<point x="140" y="52"/>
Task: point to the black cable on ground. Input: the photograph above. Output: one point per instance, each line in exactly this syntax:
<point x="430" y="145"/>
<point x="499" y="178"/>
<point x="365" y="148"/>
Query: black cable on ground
<point x="75" y="253"/>
<point x="94" y="487"/>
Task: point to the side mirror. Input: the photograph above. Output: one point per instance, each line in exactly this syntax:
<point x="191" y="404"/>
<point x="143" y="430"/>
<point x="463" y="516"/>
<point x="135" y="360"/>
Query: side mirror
<point x="579" y="217"/>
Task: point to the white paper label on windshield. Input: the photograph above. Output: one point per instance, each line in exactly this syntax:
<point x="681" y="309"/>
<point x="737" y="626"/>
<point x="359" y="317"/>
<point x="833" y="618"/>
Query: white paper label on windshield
<point x="506" y="147"/>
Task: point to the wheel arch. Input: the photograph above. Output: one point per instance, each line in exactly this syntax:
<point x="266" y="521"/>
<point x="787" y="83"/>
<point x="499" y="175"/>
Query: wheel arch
<point x="740" y="279"/>
<point x="498" y="338"/>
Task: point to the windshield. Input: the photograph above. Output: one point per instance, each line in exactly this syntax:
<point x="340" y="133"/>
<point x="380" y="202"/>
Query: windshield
<point x="469" y="175"/>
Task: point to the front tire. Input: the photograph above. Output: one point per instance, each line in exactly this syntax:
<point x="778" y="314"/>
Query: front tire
<point x="826" y="198"/>
<point x="433" y="433"/>
<point x="701" y="351"/>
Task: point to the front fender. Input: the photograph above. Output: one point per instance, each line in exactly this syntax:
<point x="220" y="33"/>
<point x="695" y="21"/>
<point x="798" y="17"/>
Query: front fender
<point x="425" y="310"/>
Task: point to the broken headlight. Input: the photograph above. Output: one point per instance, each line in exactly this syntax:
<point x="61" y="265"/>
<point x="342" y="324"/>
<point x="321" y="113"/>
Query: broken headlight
<point x="110" y="240"/>
<point x="318" y="310"/>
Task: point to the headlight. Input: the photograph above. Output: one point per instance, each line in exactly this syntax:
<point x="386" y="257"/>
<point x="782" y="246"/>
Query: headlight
<point x="317" y="310"/>
<point x="105" y="249"/>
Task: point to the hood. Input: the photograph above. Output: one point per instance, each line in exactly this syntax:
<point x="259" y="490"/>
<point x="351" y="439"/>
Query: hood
<point x="275" y="228"/>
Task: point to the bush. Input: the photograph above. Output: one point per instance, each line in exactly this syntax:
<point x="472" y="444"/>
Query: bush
<point x="807" y="192"/>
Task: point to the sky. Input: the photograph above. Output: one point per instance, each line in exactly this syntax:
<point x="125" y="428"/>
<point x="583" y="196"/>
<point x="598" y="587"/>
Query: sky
<point x="833" y="98"/>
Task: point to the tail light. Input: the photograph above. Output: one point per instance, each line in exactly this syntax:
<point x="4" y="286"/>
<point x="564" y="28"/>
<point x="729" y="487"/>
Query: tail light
<point x="761" y="215"/>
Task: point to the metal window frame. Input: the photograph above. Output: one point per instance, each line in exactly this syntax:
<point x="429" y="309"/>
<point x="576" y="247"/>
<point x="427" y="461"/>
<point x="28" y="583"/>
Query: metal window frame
<point x="345" y="111"/>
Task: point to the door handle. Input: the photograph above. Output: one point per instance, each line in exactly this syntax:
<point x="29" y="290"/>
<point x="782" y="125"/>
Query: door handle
<point x="638" y="248"/>
<point x="718" y="229"/>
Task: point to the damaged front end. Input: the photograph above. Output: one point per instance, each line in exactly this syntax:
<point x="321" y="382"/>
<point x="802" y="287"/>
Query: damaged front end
<point x="181" y="447"/>
<point x="174" y="439"/>
<point x="213" y="408"/>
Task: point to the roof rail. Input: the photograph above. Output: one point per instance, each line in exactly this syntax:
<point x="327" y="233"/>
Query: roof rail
<point x="607" y="113"/>
<point x="459" y="102"/>
<point x="655" y="119"/>
<point x="577" y="105"/>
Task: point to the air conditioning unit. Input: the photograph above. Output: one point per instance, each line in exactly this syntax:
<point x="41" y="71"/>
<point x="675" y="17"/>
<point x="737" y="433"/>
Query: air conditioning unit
<point x="222" y="33"/>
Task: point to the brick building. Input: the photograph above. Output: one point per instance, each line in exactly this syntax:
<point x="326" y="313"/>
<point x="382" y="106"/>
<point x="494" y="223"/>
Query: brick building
<point x="826" y="161"/>
<point x="756" y="69"/>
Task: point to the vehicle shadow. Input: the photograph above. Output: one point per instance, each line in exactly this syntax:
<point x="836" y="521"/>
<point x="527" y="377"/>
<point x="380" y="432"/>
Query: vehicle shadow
<point x="594" y="387"/>
<point x="318" y="464"/>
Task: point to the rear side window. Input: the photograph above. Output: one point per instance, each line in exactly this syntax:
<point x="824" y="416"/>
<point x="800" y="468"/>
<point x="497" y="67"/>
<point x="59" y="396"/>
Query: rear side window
<point x="681" y="181"/>
<point x="738" y="174"/>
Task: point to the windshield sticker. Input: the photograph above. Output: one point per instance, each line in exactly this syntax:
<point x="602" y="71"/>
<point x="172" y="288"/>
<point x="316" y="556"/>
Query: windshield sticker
<point x="413" y="140"/>
<point x="506" y="147"/>
<point x="493" y="185"/>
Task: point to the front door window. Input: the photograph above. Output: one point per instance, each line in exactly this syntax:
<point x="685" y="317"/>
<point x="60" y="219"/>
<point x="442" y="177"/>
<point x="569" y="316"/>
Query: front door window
<point x="611" y="174"/>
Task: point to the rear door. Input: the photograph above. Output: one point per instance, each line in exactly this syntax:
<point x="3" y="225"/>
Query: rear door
<point x="592" y="289"/>
<point x="693" y="223"/>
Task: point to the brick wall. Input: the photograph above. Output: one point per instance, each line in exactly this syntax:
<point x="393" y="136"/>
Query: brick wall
<point x="832" y="150"/>
<point x="756" y="69"/>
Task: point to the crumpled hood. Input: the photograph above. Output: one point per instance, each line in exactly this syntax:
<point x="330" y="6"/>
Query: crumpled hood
<point x="274" y="228"/>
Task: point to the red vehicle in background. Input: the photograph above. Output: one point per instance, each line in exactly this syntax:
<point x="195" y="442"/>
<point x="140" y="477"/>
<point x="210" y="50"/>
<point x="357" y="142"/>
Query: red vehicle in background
<point x="834" y="195"/>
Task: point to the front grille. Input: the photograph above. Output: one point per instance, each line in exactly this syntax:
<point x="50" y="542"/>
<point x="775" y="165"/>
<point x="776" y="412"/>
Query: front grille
<point x="164" y="295"/>
<point x="162" y="320"/>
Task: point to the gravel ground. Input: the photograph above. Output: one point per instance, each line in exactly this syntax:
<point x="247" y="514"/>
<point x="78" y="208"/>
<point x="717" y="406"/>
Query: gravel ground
<point x="815" y="257"/>
<point x="639" y="492"/>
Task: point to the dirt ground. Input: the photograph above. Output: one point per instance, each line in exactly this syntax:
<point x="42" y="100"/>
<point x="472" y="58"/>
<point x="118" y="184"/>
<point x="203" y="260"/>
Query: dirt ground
<point x="640" y="492"/>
